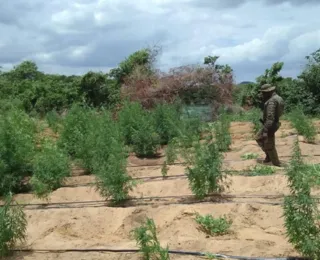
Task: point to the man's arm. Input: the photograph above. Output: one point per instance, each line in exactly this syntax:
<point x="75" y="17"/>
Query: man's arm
<point x="271" y="111"/>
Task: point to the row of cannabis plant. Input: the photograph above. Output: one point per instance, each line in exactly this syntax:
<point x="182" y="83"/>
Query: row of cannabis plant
<point x="23" y="155"/>
<point x="302" y="218"/>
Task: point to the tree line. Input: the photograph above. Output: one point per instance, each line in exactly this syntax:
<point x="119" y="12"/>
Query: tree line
<point x="136" y="78"/>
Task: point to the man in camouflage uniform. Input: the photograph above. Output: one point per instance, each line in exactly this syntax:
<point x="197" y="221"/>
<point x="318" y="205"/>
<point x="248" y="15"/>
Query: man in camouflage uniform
<point x="273" y="110"/>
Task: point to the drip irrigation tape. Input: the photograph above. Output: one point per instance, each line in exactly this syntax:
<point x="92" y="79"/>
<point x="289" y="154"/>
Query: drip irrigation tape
<point x="170" y="177"/>
<point x="154" y="165"/>
<point x="181" y="163"/>
<point x="182" y="200"/>
<point x="158" y="198"/>
<point x="177" y="252"/>
<point x="147" y="204"/>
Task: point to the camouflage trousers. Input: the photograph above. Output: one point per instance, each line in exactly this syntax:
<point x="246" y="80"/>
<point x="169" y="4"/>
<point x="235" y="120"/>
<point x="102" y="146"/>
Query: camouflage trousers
<point x="268" y="146"/>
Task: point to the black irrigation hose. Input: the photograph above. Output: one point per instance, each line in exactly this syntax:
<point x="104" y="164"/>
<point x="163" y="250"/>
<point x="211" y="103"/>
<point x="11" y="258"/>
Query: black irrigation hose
<point x="144" y="178"/>
<point x="148" y="204"/>
<point x="103" y="203"/>
<point x="177" y="252"/>
<point x="169" y="177"/>
<point x="181" y="163"/>
<point x="154" y="165"/>
<point x="161" y="197"/>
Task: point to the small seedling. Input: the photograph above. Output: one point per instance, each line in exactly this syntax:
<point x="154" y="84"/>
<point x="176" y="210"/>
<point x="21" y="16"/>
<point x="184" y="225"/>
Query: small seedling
<point x="213" y="226"/>
<point x="164" y="170"/>
<point x="210" y="256"/>
<point x="249" y="156"/>
<point x="261" y="170"/>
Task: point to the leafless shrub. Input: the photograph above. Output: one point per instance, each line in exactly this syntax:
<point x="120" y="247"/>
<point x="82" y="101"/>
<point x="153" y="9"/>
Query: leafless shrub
<point x="192" y="83"/>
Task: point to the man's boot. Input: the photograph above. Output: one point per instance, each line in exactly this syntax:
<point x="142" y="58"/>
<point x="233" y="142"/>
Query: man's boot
<point x="273" y="155"/>
<point x="267" y="159"/>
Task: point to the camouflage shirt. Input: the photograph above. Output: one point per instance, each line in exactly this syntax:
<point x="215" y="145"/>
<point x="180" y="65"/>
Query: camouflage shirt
<point x="273" y="110"/>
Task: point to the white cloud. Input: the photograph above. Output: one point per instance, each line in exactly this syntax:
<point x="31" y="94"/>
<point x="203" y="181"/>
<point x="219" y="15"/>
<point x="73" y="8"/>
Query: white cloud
<point x="79" y="35"/>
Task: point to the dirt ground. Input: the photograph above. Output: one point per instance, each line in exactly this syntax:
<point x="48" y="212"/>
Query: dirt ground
<point x="253" y="203"/>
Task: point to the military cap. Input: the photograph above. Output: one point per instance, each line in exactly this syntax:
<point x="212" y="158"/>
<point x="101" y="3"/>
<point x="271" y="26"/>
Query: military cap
<point x="267" y="88"/>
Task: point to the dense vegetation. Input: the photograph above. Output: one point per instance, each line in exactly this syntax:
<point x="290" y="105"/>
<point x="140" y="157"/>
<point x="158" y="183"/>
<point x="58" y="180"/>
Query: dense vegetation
<point x="50" y="122"/>
<point x="305" y="90"/>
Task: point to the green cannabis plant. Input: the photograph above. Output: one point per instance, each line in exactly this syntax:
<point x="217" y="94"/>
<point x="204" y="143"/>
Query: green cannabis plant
<point x="17" y="148"/>
<point x="260" y="170"/>
<point x="139" y="129"/>
<point x="171" y="152"/>
<point x="164" y="169"/>
<point x="205" y="175"/>
<point x="50" y="167"/>
<point x="300" y="209"/>
<point x="222" y="132"/>
<point x="166" y="120"/>
<point x="54" y="121"/>
<point x="303" y="124"/>
<point x="147" y="240"/>
<point x="75" y="129"/>
<point x="13" y="226"/>
<point x="129" y="118"/>
<point x="213" y="226"/>
<point x="249" y="156"/>
<point x="145" y="139"/>
<point x="107" y="158"/>
<point x="189" y="131"/>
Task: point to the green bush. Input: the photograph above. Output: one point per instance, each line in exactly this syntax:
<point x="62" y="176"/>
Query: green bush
<point x="303" y="90"/>
<point x="17" y="146"/>
<point x="13" y="226"/>
<point x="50" y="167"/>
<point x="10" y="104"/>
<point x="249" y="94"/>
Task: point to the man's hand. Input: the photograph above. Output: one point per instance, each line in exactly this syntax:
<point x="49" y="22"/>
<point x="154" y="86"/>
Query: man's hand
<point x="265" y="137"/>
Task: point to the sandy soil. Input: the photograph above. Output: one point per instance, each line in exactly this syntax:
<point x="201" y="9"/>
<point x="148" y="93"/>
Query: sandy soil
<point x="253" y="203"/>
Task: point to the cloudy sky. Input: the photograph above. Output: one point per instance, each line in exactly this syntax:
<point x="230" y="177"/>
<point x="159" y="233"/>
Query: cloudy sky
<point x="75" y="36"/>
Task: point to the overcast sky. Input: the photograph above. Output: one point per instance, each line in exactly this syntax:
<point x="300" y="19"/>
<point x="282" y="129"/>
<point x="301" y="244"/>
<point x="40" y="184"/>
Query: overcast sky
<point x="74" y="36"/>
